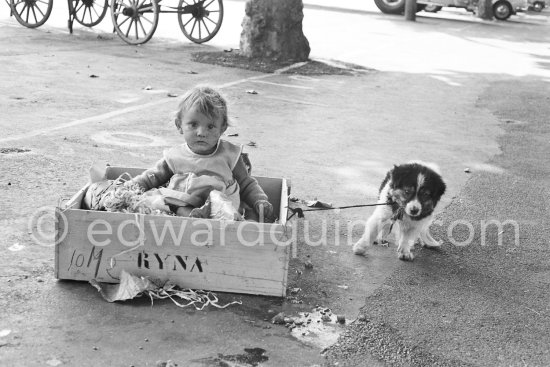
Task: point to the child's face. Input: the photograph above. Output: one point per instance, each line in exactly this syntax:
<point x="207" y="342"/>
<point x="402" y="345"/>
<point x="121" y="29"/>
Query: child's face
<point x="201" y="133"/>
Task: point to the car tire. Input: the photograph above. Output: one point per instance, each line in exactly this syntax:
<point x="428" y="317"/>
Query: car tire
<point x="538" y="6"/>
<point x="420" y="7"/>
<point x="502" y="10"/>
<point x="395" y="6"/>
<point x="431" y="8"/>
<point x="390" y="6"/>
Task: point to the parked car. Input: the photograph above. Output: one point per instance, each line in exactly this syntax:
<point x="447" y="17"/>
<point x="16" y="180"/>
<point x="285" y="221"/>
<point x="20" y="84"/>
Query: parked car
<point x="502" y="9"/>
<point x="537" y="5"/>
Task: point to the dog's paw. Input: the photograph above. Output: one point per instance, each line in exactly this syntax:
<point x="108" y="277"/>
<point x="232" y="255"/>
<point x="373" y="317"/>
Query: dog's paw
<point x="405" y="256"/>
<point x="432" y="244"/>
<point x="360" y="248"/>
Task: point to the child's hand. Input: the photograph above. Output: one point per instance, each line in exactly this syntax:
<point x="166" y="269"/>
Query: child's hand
<point x="265" y="207"/>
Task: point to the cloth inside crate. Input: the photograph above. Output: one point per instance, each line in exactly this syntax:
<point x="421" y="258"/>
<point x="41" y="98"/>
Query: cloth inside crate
<point x="120" y="195"/>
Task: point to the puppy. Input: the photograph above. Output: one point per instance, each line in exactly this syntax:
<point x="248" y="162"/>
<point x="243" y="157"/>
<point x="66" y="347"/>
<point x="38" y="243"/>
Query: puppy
<point x="410" y="191"/>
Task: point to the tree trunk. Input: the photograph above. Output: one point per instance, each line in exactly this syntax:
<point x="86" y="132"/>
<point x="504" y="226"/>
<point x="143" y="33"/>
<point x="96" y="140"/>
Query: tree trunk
<point x="273" y="29"/>
<point x="410" y="10"/>
<point x="485" y="9"/>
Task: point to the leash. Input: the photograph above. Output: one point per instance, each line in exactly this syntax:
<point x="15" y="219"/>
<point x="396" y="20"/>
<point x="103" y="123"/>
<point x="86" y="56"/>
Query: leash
<point x="300" y="212"/>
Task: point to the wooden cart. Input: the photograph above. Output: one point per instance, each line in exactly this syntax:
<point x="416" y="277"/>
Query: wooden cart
<point x="135" y="21"/>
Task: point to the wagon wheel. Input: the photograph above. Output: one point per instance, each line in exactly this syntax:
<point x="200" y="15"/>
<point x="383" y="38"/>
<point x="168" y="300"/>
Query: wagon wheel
<point x="502" y="10"/>
<point x="135" y="21"/>
<point x="89" y="12"/>
<point x="201" y="20"/>
<point x="31" y="13"/>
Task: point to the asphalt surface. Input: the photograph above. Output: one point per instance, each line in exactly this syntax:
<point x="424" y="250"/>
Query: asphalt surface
<point x="69" y="100"/>
<point x="480" y="301"/>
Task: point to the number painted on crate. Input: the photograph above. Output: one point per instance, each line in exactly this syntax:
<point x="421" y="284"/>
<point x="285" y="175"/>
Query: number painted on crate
<point x="80" y="259"/>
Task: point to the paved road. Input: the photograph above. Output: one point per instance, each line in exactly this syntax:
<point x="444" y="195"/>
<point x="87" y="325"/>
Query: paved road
<point x="334" y="136"/>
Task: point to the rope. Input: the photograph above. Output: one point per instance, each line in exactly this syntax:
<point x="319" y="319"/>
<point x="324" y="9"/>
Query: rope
<point x="300" y="211"/>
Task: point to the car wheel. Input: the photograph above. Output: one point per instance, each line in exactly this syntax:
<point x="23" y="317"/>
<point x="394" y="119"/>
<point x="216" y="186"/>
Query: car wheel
<point x="390" y="6"/>
<point x="538" y="6"/>
<point x="431" y="8"/>
<point x="420" y="7"/>
<point x="502" y="10"/>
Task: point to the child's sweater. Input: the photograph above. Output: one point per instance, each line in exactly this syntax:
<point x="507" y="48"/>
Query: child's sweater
<point x="191" y="176"/>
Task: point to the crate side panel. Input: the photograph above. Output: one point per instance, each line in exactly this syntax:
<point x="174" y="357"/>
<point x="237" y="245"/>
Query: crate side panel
<point x="204" y="254"/>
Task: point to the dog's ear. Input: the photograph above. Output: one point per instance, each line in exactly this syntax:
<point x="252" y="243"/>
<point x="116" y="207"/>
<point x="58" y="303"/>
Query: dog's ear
<point x="393" y="170"/>
<point x="440" y="187"/>
<point x="393" y="175"/>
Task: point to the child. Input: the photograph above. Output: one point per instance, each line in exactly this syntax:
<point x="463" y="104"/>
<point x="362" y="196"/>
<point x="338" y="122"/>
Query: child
<point x="204" y="162"/>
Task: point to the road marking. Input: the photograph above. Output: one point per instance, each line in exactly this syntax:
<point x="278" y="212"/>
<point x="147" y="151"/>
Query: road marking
<point x="444" y="79"/>
<point x="127" y="138"/>
<point x="101" y="117"/>
<point x="282" y="85"/>
<point x="109" y="115"/>
<point x="296" y="101"/>
<point x="304" y="78"/>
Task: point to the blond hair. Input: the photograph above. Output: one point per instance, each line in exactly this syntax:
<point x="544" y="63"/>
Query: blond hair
<point x="205" y="100"/>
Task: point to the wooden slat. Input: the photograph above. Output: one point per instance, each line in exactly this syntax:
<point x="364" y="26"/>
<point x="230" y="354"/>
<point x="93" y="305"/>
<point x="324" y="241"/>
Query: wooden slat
<point x="76" y="201"/>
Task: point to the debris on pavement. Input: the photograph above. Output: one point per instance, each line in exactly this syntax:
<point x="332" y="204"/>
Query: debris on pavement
<point x="16" y="247"/>
<point x="320" y="327"/>
<point x="148" y="88"/>
<point x="168" y="363"/>
<point x="131" y="286"/>
<point x="94" y="76"/>
<point x="234" y="134"/>
<point x="318" y="204"/>
<point x="278" y="318"/>
<point x="13" y="150"/>
<point x="251" y="91"/>
<point x="251" y="144"/>
<point x="467" y="170"/>
<point x="54" y="362"/>
<point x="173" y="95"/>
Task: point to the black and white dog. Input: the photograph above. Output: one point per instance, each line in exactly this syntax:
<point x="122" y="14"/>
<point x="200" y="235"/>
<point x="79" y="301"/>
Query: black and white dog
<point x="411" y="192"/>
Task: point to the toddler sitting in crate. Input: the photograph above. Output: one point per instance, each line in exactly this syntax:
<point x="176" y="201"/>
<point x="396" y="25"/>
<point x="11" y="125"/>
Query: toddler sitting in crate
<point x="203" y="175"/>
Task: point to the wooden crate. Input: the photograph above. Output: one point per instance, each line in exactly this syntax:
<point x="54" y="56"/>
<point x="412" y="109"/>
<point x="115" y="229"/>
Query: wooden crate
<point x="240" y="257"/>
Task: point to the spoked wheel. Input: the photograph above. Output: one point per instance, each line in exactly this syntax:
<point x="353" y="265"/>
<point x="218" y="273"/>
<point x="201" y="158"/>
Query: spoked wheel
<point x="502" y="10"/>
<point x="31" y="13"/>
<point x="200" y="20"/>
<point x="89" y="12"/>
<point x="135" y="21"/>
